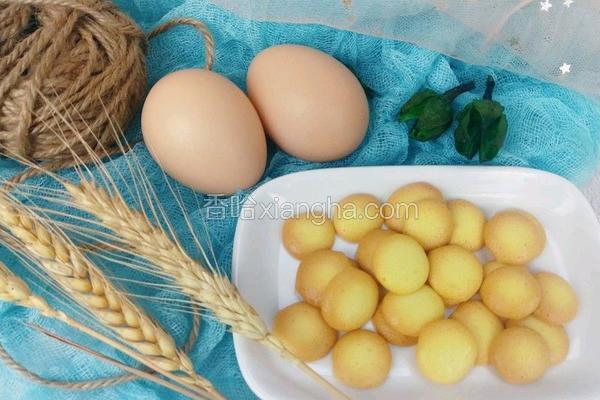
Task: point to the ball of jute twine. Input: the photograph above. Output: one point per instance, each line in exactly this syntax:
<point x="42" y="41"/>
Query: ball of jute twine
<point x="79" y="63"/>
<point x="71" y="64"/>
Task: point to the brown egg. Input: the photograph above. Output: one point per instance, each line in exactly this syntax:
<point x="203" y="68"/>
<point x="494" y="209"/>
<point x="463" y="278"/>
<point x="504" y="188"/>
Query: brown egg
<point x="204" y="132"/>
<point x="311" y="105"/>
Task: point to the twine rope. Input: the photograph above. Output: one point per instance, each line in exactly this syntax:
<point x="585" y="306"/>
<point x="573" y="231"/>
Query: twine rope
<point x="63" y="60"/>
<point x="99" y="80"/>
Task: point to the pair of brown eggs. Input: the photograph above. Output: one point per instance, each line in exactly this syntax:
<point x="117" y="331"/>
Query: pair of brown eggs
<point x="207" y="134"/>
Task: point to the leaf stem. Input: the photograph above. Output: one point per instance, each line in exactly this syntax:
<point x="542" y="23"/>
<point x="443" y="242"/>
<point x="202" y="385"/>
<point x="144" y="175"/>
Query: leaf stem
<point x="460" y="89"/>
<point x="490" y="84"/>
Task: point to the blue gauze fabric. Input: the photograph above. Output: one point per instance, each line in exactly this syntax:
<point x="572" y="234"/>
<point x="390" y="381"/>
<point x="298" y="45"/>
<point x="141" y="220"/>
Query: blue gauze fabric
<point x="551" y="128"/>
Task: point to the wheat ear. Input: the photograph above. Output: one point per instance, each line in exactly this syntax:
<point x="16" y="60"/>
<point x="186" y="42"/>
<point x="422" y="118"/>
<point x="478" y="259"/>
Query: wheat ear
<point x="14" y="290"/>
<point x="65" y="263"/>
<point x="213" y="291"/>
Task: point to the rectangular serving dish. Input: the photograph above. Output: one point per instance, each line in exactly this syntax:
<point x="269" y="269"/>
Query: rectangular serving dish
<point x="264" y="273"/>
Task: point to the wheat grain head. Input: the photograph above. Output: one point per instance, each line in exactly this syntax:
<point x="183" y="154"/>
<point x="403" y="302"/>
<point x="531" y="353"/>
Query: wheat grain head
<point x="210" y="289"/>
<point x="66" y="264"/>
<point x="15" y="291"/>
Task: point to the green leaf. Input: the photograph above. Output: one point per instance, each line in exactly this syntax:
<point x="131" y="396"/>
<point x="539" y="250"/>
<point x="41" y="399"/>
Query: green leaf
<point x="467" y="136"/>
<point x="493" y="139"/>
<point x="482" y="127"/>
<point x="435" y="120"/>
<point x="415" y="106"/>
<point x="424" y="134"/>
<point x="437" y="113"/>
<point x="489" y="110"/>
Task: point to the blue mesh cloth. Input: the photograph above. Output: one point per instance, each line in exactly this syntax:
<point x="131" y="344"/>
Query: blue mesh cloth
<point x="551" y="128"/>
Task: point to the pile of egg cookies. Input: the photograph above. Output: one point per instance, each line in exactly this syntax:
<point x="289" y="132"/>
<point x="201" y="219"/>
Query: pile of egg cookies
<point x="404" y="278"/>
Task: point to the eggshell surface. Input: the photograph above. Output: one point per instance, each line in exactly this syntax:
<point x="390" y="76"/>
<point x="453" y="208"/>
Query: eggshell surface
<point x="311" y="105"/>
<point x="204" y="132"/>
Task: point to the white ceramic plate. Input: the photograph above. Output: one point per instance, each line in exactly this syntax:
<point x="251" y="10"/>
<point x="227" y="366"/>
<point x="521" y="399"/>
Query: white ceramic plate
<point x="265" y="273"/>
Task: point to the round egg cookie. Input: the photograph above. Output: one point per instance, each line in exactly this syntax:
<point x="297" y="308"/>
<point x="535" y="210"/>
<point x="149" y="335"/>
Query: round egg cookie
<point x="446" y="351"/>
<point x="455" y="273"/>
<point x="491" y="266"/>
<point x="430" y="223"/>
<point x="366" y="248"/>
<point x="399" y="203"/>
<point x="307" y="233"/>
<point x="302" y="330"/>
<point x="408" y="313"/>
<point x="520" y="355"/>
<point x="356" y="215"/>
<point x="388" y="333"/>
<point x="361" y="359"/>
<point x="559" y="302"/>
<point x="555" y="336"/>
<point x="400" y="264"/>
<point x="469" y="222"/>
<point x="482" y="323"/>
<point x="514" y="237"/>
<point x="511" y="293"/>
<point x="350" y="300"/>
<point x="316" y="271"/>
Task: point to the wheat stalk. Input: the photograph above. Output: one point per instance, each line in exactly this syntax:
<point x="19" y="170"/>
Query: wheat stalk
<point x="66" y="264"/>
<point x="14" y="290"/>
<point x="211" y="290"/>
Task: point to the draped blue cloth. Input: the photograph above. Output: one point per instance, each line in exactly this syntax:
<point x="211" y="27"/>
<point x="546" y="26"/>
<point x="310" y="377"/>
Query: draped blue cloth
<point x="550" y="128"/>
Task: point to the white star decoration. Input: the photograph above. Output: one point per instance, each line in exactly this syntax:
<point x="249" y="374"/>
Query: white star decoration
<point x="565" y="68"/>
<point x="546" y="5"/>
<point x="567" y="3"/>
